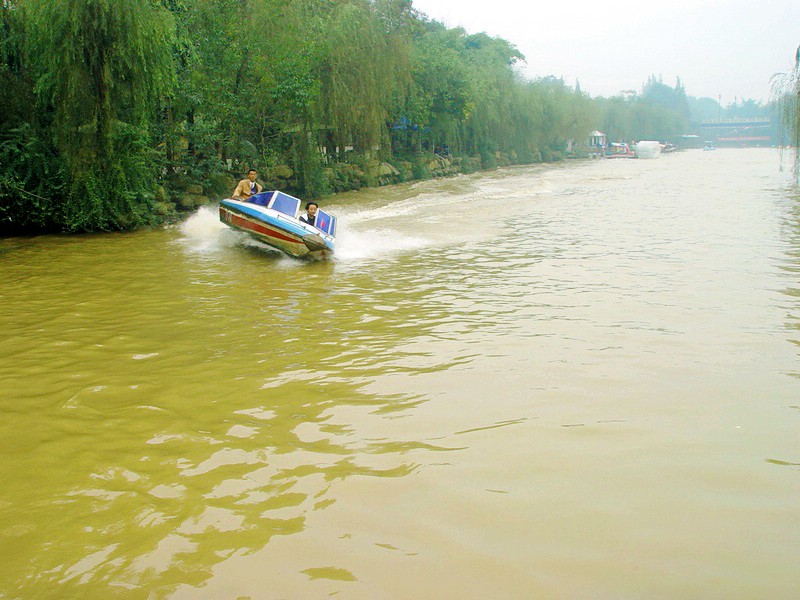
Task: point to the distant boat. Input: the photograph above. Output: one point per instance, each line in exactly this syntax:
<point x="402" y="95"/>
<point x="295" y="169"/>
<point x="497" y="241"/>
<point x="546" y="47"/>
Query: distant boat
<point x="709" y="146"/>
<point x="272" y="218"/>
<point x="648" y="149"/>
<point x="619" y="150"/>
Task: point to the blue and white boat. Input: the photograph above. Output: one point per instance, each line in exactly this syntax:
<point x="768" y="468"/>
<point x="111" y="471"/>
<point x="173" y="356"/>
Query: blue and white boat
<point x="273" y="218"/>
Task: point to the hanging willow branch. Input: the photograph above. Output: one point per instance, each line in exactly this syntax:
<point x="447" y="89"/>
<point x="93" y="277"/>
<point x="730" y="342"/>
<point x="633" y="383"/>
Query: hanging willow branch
<point x="786" y="92"/>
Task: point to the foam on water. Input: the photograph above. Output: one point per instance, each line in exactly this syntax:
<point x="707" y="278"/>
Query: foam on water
<point x="203" y="233"/>
<point x="358" y="238"/>
<point x="352" y="244"/>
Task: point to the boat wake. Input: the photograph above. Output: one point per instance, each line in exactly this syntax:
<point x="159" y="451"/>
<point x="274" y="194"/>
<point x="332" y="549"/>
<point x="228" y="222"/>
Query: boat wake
<point x="352" y="245"/>
<point x="204" y="234"/>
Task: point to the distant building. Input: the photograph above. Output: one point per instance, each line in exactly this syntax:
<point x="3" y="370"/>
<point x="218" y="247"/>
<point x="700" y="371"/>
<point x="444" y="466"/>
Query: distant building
<point x="597" y="143"/>
<point x="597" y="139"/>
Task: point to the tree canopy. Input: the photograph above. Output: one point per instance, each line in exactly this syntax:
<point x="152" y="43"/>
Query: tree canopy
<point x="113" y="109"/>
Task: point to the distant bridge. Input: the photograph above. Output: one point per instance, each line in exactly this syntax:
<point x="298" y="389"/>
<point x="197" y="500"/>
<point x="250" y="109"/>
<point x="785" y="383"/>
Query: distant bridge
<point x="756" y="131"/>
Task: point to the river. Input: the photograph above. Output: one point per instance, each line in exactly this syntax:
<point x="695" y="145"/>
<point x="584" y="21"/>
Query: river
<point x="562" y="381"/>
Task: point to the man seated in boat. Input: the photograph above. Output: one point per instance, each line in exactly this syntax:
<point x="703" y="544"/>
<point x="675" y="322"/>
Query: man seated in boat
<point x="247" y="187"/>
<point x="311" y="213"/>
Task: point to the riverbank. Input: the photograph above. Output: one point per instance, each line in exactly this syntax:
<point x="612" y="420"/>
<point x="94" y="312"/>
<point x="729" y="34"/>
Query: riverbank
<point x="357" y="173"/>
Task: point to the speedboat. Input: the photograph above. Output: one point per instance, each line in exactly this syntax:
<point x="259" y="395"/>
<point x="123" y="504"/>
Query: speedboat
<point x="272" y="218"/>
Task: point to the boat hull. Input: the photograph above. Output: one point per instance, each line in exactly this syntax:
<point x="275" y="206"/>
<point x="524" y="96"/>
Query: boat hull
<point x="279" y="231"/>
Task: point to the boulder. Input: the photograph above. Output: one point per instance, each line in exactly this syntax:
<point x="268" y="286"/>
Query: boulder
<point x="386" y="169"/>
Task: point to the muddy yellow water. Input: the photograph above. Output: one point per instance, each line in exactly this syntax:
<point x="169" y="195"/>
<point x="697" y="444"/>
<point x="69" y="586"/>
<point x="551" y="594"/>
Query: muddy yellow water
<point x="571" y="381"/>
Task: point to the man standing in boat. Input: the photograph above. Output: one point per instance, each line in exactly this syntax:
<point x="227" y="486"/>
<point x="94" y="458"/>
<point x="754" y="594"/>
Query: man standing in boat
<point x="247" y="187"/>
<point x="311" y="213"/>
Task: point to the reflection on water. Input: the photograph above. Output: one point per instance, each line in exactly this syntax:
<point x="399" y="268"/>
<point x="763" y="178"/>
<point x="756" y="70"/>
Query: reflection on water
<point x="562" y="381"/>
<point x="193" y="422"/>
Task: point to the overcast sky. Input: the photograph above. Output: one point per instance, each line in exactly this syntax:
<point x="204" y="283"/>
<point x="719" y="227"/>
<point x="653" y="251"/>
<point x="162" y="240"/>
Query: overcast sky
<point x="730" y="48"/>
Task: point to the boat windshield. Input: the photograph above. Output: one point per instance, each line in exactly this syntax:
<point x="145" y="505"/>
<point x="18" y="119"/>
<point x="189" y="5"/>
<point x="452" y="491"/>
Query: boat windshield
<point x="285" y="204"/>
<point x="262" y="198"/>
<point x="325" y="222"/>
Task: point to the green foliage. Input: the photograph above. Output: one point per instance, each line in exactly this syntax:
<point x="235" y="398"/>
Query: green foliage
<point x="216" y="78"/>
<point x="420" y="168"/>
<point x="359" y="67"/>
<point x="31" y="182"/>
<point x="342" y="176"/>
<point x="441" y="92"/>
<point x="786" y="90"/>
<point x="704" y="109"/>
<point x="470" y="164"/>
<point x="98" y="61"/>
<point x="310" y="167"/>
<point x="99" y="67"/>
<point x="113" y="107"/>
<point x="16" y="89"/>
<point x="658" y="94"/>
<point x="637" y="118"/>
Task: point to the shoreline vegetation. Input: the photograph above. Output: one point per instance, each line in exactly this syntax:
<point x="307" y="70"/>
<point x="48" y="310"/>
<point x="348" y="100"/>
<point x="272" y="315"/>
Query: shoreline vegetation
<point x="786" y="94"/>
<point x="121" y="114"/>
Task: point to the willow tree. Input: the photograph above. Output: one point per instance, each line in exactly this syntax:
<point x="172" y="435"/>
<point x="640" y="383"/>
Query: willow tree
<point x="23" y="158"/>
<point x="15" y="89"/>
<point x="786" y="90"/>
<point x="440" y="95"/>
<point x="100" y="67"/>
<point x="490" y="122"/>
<point x="540" y="113"/>
<point x="283" y="111"/>
<point x="361" y="65"/>
<point x="220" y="85"/>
